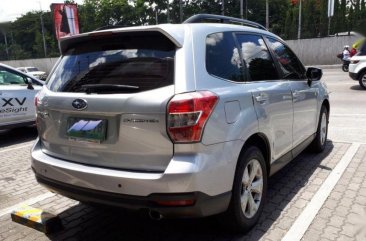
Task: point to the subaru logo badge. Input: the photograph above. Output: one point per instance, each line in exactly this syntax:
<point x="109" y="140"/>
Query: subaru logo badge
<point x="79" y="104"/>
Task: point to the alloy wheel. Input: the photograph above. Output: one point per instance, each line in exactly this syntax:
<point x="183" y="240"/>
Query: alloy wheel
<point x="323" y="128"/>
<point x="252" y="188"/>
<point x="363" y="80"/>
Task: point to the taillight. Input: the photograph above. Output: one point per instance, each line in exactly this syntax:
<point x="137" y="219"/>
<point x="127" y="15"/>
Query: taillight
<point x="188" y="114"/>
<point x="36" y="101"/>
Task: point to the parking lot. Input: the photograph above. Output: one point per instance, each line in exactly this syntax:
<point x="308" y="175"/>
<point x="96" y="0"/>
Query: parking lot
<point x="315" y="197"/>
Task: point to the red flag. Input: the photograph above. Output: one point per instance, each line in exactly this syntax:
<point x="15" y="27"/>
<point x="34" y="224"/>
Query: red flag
<point x="65" y="19"/>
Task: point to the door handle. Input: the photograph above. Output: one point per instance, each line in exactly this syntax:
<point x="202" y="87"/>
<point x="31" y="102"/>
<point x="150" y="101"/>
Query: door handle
<point x="262" y="98"/>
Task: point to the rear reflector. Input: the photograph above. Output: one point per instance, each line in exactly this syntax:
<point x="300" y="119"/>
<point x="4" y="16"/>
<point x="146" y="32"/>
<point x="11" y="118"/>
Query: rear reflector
<point x="170" y="203"/>
<point x="188" y="114"/>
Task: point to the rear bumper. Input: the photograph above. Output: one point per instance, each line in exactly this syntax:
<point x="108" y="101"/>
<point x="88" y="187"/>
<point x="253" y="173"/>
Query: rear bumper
<point x="204" y="205"/>
<point x="353" y="76"/>
<point x="198" y="177"/>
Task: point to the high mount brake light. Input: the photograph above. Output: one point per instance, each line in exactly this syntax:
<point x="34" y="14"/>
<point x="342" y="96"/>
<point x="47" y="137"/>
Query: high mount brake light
<point x="188" y="114"/>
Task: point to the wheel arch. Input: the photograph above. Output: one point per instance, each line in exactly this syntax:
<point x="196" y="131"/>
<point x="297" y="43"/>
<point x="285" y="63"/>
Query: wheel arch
<point x="361" y="72"/>
<point x="327" y="105"/>
<point x="260" y="141"/>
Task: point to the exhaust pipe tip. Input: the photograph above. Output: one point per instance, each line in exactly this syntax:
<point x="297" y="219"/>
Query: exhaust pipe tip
<point x="155" y="215"/>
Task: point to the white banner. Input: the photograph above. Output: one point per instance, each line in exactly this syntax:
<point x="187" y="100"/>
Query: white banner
<point x="330" y="8"/>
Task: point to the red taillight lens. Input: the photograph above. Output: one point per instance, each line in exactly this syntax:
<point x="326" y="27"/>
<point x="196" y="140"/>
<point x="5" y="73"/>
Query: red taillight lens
<point x="187" y="115"/>
<point x="36" y="101"/>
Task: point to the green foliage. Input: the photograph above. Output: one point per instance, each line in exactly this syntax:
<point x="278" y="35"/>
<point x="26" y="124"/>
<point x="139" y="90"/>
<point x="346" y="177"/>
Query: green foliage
<point x="24" y="35"/>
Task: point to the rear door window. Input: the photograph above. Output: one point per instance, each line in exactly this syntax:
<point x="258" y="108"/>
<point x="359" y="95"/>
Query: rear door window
<point x="257" y="58"/>
<point x="222" y="57"/>
<point x="128" y="62"/>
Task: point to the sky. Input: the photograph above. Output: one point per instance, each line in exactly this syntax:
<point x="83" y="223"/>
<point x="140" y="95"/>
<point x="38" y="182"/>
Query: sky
<point x="11" y="9"/>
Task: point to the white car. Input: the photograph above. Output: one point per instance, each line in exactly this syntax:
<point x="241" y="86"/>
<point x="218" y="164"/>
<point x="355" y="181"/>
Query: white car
<point x="357" y="67"/>
<point x="34" y="72"/>
<point x="17" y="92"/>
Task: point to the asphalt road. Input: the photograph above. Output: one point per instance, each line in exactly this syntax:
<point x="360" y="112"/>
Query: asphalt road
<point x="348" y="107"/>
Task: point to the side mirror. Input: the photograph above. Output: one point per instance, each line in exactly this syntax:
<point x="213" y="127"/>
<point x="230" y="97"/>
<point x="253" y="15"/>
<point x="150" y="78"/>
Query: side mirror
<point x="314" y="74"/>
<point x="29" y="84"/>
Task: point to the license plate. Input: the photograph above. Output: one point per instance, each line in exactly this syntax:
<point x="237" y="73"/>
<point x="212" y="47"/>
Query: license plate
<point x="83" y="129"/>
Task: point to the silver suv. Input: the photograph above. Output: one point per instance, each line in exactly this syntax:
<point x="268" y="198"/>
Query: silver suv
<point x="183" y="120"/>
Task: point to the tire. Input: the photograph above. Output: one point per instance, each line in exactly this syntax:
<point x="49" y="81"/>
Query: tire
<point x="239" y="218"/>
<point x="345" y="68"/>
<point x="318" y="144"/>
<point x="362" y="80"/>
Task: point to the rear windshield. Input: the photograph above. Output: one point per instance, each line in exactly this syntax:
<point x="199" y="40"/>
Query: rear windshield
<point x="122" y="63"/>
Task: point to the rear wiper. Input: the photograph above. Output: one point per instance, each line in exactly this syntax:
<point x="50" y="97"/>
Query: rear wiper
<point x="90" y="88"/>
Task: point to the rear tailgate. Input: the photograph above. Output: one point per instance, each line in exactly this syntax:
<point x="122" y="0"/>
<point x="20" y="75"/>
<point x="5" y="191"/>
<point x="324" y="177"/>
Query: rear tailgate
<point x="105" y="103"/>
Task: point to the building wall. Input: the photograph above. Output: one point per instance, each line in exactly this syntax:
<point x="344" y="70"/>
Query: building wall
<point x="320" y="51"/>
<point x="44" y="64"/>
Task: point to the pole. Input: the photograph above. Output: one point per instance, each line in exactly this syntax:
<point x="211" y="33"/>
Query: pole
<point x="329" y="25"/>
<point x="267" y="15"/>
<point x="299" y="29"/>
<point x="6" y="45"/>
<point x="181" y="11"/>
<point x="246" y="9"/>
<point x="223" y="7"/>
<point x="42" y="28"/>
<point x="168" y="14"/>
<point x="43" y="38"/>
<point x="241" y="9"/>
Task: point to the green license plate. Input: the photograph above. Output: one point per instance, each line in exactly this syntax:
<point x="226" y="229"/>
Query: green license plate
<point x="83" y="129"/>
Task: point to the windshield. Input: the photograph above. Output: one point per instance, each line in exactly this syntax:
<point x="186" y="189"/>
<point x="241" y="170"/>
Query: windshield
<point x="117" y="61"/>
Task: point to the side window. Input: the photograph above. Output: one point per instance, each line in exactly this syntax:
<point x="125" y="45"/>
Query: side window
<point x="7" y="77"/>
<point x="257" y="58"/>
<point x="289" y="63"/>
<point x="222" y="57"/>
<point x="363" y="49"/>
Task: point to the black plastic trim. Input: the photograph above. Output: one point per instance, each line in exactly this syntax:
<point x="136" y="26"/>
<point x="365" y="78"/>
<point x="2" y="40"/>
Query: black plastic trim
<point x="204" y="205"/>
<point x="289" y="156"/>
<point x="353" y="76"/>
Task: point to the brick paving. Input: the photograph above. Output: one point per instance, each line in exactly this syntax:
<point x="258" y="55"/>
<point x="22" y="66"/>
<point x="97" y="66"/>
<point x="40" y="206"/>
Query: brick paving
<point x="343" y="215"/>
<point x="289" y="192"/>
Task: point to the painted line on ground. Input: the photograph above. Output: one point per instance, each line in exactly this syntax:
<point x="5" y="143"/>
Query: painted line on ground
<point x="28" y="202"/>
<point x="351" y="115"/>
<point x="302" y="223"/>
<point x="15" y="148"/>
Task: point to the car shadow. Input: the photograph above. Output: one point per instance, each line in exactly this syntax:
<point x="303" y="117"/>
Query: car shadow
<point x="10" y="137"/>
<point x="85" y="222"/>
<point x="357" y="87"/>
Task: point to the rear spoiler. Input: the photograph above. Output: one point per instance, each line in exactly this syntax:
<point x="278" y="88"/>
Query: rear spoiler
<point x="175" y="35"/>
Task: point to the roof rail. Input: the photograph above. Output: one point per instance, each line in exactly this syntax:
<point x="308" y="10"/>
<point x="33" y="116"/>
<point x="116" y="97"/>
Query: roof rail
<point x="199" y="18"/>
